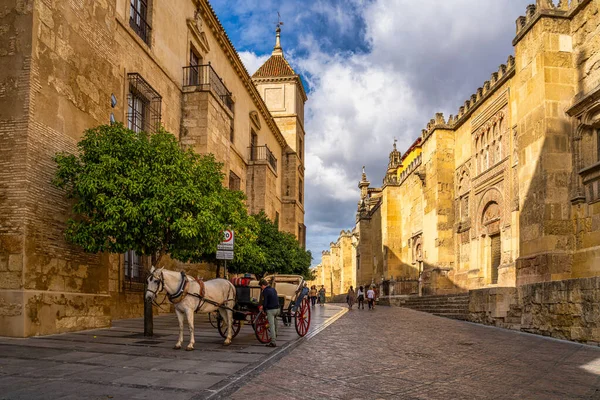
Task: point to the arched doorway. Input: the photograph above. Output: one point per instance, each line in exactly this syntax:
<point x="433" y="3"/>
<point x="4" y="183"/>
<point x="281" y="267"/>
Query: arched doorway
<point x="490" y="223"/>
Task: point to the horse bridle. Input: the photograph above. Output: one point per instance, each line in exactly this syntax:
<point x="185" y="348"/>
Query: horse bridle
<point x="159" y="287"/>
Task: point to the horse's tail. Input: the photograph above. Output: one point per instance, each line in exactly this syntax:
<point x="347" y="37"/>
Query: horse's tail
<point x="231" y="295"/>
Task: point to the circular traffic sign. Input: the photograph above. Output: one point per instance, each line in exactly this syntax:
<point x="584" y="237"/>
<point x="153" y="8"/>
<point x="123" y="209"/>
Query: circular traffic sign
<point x="228" y="235"/>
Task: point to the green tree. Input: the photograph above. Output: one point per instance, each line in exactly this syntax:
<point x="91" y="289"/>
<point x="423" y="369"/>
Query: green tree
<point x="140" y="191"/>
<point x="279" y="252"/>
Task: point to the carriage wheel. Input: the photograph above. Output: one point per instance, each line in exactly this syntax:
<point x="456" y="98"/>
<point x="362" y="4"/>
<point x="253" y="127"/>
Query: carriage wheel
<point x="223" y="328"/>
<point x="261" y="328"/>
<point x="213" y="318"/>
<point x="302" y="318"/>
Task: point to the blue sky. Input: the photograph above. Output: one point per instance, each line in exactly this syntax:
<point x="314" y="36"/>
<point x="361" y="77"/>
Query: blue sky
<point x="375" y="70"/>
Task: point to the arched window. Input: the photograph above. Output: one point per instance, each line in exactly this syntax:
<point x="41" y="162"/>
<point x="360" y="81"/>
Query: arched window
<point x="499" y="151"/>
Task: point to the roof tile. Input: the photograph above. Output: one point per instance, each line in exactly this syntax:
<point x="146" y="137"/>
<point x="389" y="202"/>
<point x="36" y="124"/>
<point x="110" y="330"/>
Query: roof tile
<point x="274" y="67"/>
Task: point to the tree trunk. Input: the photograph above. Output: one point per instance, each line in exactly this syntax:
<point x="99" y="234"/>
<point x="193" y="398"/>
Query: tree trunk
<point x="148" y="320"/>
<point x="148" y="317"/>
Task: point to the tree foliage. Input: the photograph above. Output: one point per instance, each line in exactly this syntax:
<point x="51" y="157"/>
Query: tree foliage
<point x="279" y="252"/>
<point x="140" y="191"/>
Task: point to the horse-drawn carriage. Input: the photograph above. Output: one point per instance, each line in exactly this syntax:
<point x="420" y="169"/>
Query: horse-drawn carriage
<point x="248" y="299"/>
<point x="229" y="303"/>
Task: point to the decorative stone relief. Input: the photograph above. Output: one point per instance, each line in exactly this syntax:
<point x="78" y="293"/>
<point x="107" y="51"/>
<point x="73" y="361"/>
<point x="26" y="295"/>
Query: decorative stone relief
<point x="196" y="26"/>
<point x="489" y="142"/>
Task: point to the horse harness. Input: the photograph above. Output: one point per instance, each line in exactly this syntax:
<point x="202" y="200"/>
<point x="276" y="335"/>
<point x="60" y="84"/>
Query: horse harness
<point x="182" y="291"/>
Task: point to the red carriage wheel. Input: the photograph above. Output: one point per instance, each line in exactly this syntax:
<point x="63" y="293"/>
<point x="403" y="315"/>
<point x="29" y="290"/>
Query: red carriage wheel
<point x="261" y="328"/>
<point x="223" y="328"/>
<point x="302" y="318"/>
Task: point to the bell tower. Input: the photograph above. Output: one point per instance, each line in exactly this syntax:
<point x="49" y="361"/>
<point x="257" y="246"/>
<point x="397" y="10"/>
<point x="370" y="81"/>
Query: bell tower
<point x="283" y="92"/>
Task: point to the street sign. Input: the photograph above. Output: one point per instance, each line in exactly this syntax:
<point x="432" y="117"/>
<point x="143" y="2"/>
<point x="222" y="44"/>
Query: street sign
<point x="224" y="255"/>
<point x="227" y="243"/>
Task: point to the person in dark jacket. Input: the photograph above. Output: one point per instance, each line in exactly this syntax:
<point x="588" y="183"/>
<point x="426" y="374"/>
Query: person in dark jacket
<point x="270" y="306"/>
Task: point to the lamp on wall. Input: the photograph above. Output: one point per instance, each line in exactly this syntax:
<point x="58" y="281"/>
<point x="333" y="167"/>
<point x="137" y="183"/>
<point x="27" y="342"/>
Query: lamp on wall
<point x="113" y="104"/>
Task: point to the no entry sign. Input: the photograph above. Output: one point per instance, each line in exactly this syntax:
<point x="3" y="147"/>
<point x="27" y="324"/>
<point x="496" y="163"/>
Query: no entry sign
<point x="227" y="243"/>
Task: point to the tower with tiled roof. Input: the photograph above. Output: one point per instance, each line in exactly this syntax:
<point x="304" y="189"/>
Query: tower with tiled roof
<point x="282" y="90"/>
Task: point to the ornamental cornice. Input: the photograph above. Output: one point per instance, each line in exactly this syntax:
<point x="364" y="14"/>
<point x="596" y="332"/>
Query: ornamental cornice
<point x="294" y="78"/>
<point x="213" y="22"/>
<point x="489" y="125"/>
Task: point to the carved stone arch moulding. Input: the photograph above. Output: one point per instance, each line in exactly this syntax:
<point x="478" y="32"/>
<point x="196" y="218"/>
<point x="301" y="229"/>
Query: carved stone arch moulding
<point x="463" y="179"/>
<point x="417" y="248"/>
<point x="490" y="213"/>
<point x="586" y="154"/>
<point x="255" y="119"/>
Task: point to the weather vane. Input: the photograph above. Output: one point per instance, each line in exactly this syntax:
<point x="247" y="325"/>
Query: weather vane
<point x="279" y="23"/>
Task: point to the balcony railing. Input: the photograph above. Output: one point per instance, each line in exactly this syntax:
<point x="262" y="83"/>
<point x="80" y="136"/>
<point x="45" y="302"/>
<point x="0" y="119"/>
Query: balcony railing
<point x="262" y="153"/>
<point x="138" y="23"/>
<point x="205" y="77"/>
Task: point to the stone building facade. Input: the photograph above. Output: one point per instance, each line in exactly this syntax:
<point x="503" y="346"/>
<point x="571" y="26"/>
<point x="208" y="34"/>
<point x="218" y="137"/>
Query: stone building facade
<point x="502" y="200"/>
<point x="69" y="66"/>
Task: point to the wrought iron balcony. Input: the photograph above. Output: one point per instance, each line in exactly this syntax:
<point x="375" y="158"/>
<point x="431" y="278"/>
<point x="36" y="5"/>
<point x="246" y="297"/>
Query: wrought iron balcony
<point x="262" y="153"/>
<point x="205" y="77"/>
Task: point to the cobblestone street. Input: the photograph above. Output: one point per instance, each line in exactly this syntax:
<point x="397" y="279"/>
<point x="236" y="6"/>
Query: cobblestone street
<point x="396" y="353"/>
<point x="118" y="363"/>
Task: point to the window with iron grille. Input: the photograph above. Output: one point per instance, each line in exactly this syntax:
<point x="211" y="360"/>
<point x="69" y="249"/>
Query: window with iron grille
<point x="231" y="131"/>
<point x="133" y="277"/>
<point x="234" y="181"/>
<point x="300" y="148"/>
<point x="143" y="105"/>
<point x="138" y="19"/>
<point x="300" y="190"/>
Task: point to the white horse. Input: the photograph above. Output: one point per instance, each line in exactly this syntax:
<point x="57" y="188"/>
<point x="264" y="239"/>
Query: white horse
<point x="190" y="295"/>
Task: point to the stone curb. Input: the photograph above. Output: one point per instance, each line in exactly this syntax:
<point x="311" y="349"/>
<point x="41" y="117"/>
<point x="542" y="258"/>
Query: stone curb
<point x="233" y="383"/>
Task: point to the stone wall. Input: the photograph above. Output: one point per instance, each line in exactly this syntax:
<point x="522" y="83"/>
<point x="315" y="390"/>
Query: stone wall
<point x="61" y="62"/>
<point x="567" y="309"/>
<point x="491" y="306"/>
<point x="16" y="20"/>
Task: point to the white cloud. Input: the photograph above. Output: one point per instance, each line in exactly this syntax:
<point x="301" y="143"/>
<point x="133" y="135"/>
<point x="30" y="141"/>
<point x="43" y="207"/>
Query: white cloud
<point x="251" y="61"/>
<point x="325" y="177"/>
<point x="420" y="57"/>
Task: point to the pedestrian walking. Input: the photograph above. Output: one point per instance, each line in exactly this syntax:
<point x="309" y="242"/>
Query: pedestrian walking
<point x="361" y="298"/>
<point x="322" y="295"/>
<point x="351" y="297"/>
<point x="270" y="306"/>
<point x="376" y="296"/>
<point x="371" y="298"/>
<point x="313" y="295"/>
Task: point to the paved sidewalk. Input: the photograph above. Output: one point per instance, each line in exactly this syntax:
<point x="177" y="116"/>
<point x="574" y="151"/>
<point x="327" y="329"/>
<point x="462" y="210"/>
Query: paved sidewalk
<point x="118" y="363"/>
<point x="397" y="353"/>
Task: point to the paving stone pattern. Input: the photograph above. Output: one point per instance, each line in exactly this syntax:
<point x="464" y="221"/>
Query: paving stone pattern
<point x="398" y="353"/>
<point x="119" y="363"/>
